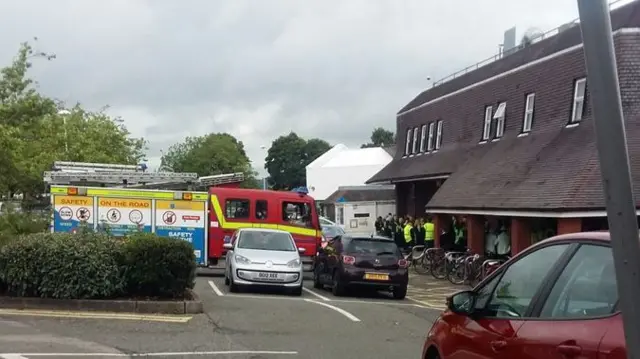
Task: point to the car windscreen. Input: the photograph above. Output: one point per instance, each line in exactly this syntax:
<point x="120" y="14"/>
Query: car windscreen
<point x="332" y="231"/>
<point x="371" y="246"/>
<point x="269" y="241"/>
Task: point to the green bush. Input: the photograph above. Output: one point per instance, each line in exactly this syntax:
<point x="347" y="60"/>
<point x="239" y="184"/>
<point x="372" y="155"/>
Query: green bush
<point x="14" y="223"/>
<point x="89" y="265"/>
<point x="158" y="266"/>
<point x="61" y="265"/>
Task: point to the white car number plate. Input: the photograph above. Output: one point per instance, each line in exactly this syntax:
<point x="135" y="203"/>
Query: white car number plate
<point x="268" y="276"/>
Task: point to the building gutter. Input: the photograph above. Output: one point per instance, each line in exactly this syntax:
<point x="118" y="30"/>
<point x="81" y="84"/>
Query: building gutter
<point x="516" y="213"/>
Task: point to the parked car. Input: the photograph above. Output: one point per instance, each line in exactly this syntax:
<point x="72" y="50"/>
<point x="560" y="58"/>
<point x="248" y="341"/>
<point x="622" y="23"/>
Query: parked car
<point x="324" y="221"/>
<point x="557" y="299"/>
<point x="368" y="260"/>
<point x="264" y="257"/>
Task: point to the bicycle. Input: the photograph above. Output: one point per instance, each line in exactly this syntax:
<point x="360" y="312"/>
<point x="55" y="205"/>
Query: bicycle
<point x="429" y="257"/>
<point x="442" y="266"/>
<point x="414" y="255"/>
<point x="462" y="268"/>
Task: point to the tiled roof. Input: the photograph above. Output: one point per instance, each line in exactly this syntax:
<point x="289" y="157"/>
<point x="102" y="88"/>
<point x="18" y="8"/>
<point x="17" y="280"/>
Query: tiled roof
<point x="550" y="171"/>
<point x="553" y="168"/>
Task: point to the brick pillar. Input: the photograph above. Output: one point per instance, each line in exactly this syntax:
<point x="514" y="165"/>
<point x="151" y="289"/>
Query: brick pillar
<point x="520" y="234"/>
<point x="569" y="225"/>
<point x="475" y="234"/>
<point x="440" y="222"/>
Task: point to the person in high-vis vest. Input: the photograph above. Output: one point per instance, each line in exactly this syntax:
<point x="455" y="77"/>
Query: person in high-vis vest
<point x="430" y="233"/>
<point x="408" y="233"/>
<point x="460" y="234"/>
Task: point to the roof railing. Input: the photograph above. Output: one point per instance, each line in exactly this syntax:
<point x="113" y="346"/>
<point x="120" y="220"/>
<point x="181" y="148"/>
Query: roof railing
<point x="612" y="6"/>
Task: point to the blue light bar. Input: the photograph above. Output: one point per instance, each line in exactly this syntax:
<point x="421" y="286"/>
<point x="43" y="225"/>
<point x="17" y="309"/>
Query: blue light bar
<point x="301" y="190"/>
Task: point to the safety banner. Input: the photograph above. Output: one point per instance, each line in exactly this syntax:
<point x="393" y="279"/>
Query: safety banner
<point x="121" y="216"/>
<point x="71" y="212"/>
<point x="185" y="220"/>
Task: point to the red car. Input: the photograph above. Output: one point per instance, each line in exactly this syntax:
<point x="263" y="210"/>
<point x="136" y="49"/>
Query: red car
<point x="556" y="300"/>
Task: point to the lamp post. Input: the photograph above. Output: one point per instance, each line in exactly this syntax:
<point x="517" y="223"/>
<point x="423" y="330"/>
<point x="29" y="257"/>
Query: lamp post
<point x="64" y="114"/>
<point x="264" y="179"/>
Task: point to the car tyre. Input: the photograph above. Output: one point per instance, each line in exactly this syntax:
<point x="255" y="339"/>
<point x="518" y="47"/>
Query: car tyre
<point x="399" y="292"/>
<point x="317" y="284"/>
<point x="338" y="288"/>
<point x="233" y="287"/>
<point x="226" y="278"/>
<point x="297" y="291"/>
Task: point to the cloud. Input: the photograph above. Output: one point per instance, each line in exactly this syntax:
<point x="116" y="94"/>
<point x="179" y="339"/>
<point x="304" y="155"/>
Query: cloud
<point x="331" y="69"/>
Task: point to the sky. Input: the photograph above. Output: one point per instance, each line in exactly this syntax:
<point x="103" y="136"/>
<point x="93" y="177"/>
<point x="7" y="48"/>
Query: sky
<point x="258" y="69"/>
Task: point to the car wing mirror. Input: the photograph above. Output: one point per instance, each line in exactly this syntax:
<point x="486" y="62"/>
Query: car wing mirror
<point x="227" y="246"/>
<point x="301" y="250"/>
<point x="463" y="302"/>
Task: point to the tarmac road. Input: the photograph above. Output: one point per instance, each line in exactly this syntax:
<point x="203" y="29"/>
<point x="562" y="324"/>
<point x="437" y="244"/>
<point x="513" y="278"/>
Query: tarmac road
<point x="256" y="324"/>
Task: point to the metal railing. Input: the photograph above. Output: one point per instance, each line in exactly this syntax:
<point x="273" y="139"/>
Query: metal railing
<point x="612" y="6"/>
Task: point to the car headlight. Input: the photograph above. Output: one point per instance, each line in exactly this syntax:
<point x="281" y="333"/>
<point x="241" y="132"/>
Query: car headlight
<point x="242" y="260"/>
<point x="294" y="263"/>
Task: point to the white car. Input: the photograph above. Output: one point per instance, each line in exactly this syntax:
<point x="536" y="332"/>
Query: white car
<point x="326" y="222"/>
<point x="263" y="257"/>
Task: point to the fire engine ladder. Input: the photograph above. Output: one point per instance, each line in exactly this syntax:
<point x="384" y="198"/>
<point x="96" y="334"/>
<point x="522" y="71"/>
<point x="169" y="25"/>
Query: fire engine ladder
<point x="111" y="175"/>
<point x="201" y="183"/>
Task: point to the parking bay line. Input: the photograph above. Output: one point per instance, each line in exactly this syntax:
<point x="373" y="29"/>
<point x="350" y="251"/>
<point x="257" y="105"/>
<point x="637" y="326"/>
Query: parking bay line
<point x="133" y="355"/>
<point x="350" y="316"/>
<point x="347" y="301"/>
<point x="316" y="294"/>
<point x="95" y="315"/>
<point x="216" y="289"/>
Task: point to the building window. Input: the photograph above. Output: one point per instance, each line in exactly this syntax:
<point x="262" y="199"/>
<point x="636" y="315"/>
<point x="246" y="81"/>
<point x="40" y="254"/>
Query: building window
<point x="499" y="117"/>
<point x="236" y="208"/>
<point x="439" y="135"/>
<point x="487" y="123"/>
<point x="407" y="147"/>
<point x="527" y="122"/>
<point x="423" y="135"/>
<point x="579" y="90"/>
<point x="415" y="140"/>
<point x="431" y="134"/>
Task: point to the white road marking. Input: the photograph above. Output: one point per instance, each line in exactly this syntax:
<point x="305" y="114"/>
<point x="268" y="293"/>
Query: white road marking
<point x="251" y="296"/>
<point x="316" y="294"/>
<point x="215" y="289"/>
<point x="351" y="317"/>
<point x="137" y="355"/>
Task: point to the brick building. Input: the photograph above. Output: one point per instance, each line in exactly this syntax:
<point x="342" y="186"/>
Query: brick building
<point x="513" y="139"/>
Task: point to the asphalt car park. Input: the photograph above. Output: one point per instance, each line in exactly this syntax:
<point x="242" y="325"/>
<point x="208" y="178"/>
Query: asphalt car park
<point x="249" y="324"/>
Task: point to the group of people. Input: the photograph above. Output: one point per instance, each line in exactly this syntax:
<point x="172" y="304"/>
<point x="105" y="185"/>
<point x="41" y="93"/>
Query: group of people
<point x="407" y="231"/>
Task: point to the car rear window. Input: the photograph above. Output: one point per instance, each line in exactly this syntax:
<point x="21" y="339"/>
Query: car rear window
<point x="371" y="246"/>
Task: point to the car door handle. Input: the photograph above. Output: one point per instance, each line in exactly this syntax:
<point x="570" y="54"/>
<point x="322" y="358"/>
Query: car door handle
<point x="569" y="350"/>
<point x="498" y="345"/>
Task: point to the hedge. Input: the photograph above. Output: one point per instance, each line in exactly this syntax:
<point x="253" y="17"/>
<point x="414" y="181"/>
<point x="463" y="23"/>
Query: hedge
<point x="89" y="265"/>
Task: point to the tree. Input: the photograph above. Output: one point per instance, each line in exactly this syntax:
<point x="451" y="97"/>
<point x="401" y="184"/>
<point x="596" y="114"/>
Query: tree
<point x="33" y="134"/>
<point x="212" y="154"/>
<point x="380" y="138"/>
<point x="288" y="158"/>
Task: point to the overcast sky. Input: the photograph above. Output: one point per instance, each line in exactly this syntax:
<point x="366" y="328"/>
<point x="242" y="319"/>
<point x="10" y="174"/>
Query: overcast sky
<point x="332" y="69"/>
